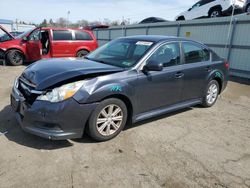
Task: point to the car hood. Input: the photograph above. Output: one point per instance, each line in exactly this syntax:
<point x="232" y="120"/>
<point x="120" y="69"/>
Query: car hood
<point x="48" y="73"/>
<point x="5" y="31"/>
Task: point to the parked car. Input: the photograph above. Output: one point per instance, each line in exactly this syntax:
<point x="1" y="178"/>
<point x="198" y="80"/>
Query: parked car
<point x="48" y="42"/>
<point x="247" y="6"/>
<point x="99" y="26"/>
<point x="152" y="20"/>
<point x="211" y="9"/>
<point x="127" y="80"/>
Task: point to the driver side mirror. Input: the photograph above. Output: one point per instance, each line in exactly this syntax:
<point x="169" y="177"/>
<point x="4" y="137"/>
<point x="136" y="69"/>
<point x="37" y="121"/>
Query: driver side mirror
<point x="25" y="38"/>
<point x="153" y="66"/>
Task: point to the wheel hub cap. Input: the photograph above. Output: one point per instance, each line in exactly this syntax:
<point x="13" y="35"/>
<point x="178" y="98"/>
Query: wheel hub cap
<point x="109" y="120"/>
<point x="212" y="94"/>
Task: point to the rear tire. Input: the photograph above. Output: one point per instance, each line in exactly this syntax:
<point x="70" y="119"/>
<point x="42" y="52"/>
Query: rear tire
<point x="180" y="18"/>
<point x="14" y="58"/>
<point x="82" y="53"/>
<point x="107" y="120"/>
<point x="215" y="13"/>
<point x="211" y="94"/>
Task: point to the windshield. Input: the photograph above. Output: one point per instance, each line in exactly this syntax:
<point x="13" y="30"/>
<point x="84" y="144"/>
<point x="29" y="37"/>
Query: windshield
<point x="4" y="36"/>
<point x="121" y="53"/>
<point x="24" y="34"/>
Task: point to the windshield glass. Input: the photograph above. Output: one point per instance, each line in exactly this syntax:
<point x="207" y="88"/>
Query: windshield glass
<point x="4" y="36"/>
<point x="24" y="34"/>
<point x="121" y="53"/>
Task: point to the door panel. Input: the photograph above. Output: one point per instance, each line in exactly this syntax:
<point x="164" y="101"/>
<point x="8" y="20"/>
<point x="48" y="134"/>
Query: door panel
<point x="158" y="89"/>
<point x="33" y="46"/>
<point x="62" y="44"/>
<point x="161" y="88"/>
<point x="196" y="68"/>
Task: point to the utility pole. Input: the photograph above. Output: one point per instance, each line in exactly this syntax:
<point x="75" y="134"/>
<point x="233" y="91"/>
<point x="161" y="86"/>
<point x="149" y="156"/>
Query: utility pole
<point x="67" y="23"/>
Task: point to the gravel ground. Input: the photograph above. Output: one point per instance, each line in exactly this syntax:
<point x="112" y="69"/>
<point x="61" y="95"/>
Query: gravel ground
<point x="195" y="147"/>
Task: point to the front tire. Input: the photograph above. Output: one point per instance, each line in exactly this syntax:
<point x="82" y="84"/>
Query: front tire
<point x="248" y="9"/>
<point x="107" y="120"/>
<point x="14" y="58"/>
<point x="211" y="94"/>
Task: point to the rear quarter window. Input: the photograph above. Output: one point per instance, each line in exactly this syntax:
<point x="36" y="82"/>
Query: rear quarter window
<point x="82" y="35"/>
<point x="62" y="35"/>
<point x="194" y="53"/>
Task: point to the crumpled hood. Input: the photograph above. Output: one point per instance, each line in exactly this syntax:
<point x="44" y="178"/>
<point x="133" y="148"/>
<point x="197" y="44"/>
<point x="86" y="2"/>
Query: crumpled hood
<point x="46" y="73"/>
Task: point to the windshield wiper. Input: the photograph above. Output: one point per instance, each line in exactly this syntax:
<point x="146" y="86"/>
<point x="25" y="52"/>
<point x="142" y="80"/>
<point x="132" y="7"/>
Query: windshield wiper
<point x="97" y="60"/>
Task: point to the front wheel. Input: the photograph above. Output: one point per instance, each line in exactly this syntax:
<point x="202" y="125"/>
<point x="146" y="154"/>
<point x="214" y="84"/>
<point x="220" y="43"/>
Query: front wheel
<point x="107" y="120"/>
<point x="14" y="57"/>
<point x="211" y="94"/>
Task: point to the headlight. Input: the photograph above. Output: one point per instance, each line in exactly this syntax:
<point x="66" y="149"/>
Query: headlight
<point x="61" y="93"/>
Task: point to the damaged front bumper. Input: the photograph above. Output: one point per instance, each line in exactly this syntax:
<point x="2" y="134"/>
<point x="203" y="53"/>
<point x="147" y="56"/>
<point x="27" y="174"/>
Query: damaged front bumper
<point x="56" y="121"/>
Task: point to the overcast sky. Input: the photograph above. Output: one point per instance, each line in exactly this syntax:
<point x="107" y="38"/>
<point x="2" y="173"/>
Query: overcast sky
<point x="92" y="10"/>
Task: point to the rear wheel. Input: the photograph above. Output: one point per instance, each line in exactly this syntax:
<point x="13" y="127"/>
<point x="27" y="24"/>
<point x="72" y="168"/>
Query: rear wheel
<point x="107" y="120"/>
<point x="14" y="57"/>
<point x="211" y="94"/>
<point x="214" y="13"/>
<point x="82" y="53"/>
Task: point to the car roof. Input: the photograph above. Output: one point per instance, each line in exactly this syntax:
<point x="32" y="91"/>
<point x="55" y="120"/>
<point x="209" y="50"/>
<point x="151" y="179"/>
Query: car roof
<point x="155" y="38"/>
<point x="64" y="28"/>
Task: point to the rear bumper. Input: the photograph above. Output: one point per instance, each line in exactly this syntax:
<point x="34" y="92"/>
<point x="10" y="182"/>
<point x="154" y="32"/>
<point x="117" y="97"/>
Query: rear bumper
<point x="56" y="121"/>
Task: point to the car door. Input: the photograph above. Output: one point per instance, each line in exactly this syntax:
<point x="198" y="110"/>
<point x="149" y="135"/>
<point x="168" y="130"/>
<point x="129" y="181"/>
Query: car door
<point x="196" y="67"/>
<point x="33" y="45"/>
<point x="62" y="43"/>
<point x="161" y="88"/>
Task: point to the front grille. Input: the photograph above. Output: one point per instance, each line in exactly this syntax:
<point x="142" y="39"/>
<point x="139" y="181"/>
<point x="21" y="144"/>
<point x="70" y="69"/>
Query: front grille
<point x="25" y="90"/>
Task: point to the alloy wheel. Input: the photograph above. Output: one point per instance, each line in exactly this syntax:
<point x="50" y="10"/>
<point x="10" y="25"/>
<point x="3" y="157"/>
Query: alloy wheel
<point x="109" y="120"/>
<point x="212" y="94"/>
<point x="215" y="14"/>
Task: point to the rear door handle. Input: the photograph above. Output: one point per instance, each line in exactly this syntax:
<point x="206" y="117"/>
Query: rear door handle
<point x="179" y="75"/>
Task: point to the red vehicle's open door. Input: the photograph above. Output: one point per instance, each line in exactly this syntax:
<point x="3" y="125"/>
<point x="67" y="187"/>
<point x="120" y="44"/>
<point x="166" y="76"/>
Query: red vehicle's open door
<point x="33" y="45"/>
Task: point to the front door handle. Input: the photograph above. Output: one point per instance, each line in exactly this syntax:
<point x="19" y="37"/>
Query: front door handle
<point x="208" y="69"/>
<point x="179" y="75"/>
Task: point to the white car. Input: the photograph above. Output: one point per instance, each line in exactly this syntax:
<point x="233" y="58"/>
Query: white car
<point x="211" y="9"/>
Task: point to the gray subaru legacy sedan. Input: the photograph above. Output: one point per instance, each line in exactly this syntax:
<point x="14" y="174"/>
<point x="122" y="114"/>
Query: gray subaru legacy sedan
<point x="125" y="81"/>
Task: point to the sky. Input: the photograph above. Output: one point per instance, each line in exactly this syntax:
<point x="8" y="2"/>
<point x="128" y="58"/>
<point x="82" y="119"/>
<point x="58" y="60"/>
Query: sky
<point x="92" y="10"/>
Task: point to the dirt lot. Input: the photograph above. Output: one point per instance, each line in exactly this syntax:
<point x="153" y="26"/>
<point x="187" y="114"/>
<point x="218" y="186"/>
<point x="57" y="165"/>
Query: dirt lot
<point x="194" y="147"/>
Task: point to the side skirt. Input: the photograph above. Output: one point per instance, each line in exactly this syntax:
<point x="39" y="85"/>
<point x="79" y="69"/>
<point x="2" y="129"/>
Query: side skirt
<point x="164" y="110"/>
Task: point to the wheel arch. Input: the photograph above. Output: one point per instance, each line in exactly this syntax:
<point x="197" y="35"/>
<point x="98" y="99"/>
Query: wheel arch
<point x="126" y="101"/>
<point x="214" y="7"/>
<point x="19" y="50"/>
<point x="82" y="48"/>
<point x="217" y="76"/>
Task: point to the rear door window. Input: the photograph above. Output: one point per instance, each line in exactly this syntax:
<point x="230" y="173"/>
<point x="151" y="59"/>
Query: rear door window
<point x="62" y="35"/>
<point x="82" y="35"/>
<point x="194" y="53"/>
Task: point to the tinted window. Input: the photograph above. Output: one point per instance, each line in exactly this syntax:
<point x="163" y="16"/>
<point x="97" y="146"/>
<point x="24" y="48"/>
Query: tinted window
<point x="194" y="53"/>
<point x="62" y="35"/>
<point x="168" y="55"/>
<point x="81" y="35"/>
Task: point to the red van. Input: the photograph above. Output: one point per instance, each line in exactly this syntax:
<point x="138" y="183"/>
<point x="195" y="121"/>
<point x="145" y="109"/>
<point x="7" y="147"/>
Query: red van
<point x="47" y="42"/>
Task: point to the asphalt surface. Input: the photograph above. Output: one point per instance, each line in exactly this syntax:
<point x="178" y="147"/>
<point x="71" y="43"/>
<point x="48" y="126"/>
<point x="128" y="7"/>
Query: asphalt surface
<point x="195" y="147"/>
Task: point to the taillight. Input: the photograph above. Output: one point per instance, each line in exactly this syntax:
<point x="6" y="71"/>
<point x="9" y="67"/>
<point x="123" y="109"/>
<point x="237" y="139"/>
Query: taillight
<point x="226" y="64"/>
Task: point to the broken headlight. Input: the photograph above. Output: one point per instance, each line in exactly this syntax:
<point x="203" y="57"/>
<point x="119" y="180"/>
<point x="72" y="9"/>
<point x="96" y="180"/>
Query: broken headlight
<point x="62" y="93"/>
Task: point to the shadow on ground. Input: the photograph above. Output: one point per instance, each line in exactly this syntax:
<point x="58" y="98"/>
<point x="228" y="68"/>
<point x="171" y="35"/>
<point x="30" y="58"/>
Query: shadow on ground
<point x="13" y="132"/>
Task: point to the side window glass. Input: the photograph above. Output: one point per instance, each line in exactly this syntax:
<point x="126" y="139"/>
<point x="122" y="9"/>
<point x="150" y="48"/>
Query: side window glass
<point x="62" y="35"/>
<point x="81" y="35"/>
<point x="35" y="35"/>
<point x="167" y="54"/>
<point x="194" y="53"/>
